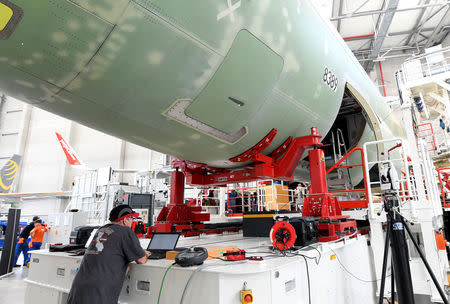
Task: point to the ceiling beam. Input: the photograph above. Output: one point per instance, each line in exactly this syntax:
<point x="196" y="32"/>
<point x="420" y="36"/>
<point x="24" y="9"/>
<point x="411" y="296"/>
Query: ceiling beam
<point x="363" y="59"/>
<point x="433" y="14"/>
<point x="371" y="36"/>
<point x="382" y="33"/>
<point x="341" y="3"/>
<point x="361" y="6"/>
<point x="384" y="6"/>
<point x="422" y="35"/>
<point x="388" y="10"/>
<point x="392" y="49"/>
<point x="428" y="19"/>
<point x="433" y="38"/>
<point x="424" y="30"/>
<point x="417" y="25"/>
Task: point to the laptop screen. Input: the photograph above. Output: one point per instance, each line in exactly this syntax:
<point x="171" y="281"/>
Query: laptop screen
<point x="163" y="241"/>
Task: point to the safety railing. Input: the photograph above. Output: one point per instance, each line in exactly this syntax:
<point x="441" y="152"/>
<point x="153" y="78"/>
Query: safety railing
<point x="425" y="131"/>
<point x="242" y="199"/>
<point x="396" y="159"/>
<point x="207" y="197"/>
<point x="426" y="65"/>
<point x="358" y="203"/>
<point x="415" y="184"/>
<point x="208" y="200"/>
<point x="265" y="196"/>
<point x="444" y="183"/>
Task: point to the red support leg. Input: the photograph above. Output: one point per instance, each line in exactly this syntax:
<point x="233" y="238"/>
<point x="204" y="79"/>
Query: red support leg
<point x="323" y="205"/>
<point x="317" y="171"/>
<point x="178" y="216"/>
<point x="176" y="188"/>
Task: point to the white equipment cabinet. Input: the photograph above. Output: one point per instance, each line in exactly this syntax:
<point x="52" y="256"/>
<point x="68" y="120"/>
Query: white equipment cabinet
<point x="62" y="224"/>
<point x="276" y="279"/>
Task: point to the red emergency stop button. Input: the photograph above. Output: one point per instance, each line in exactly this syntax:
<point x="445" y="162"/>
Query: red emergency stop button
<point x="246" y="296"/>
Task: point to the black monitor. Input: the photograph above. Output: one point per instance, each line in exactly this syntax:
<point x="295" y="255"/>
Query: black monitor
<point x="163" y="241"/>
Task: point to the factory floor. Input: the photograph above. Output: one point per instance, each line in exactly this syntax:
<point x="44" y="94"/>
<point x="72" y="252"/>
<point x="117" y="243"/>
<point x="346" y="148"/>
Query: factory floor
<point x="12" y="287"/>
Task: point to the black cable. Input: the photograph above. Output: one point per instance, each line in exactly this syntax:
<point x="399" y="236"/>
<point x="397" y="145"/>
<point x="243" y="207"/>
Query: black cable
<point x="309" y="283"/>
<point x="304" y="256"/>
<point x="217" y="258"/>
<point x="315" y="258"/>
<point x="266" y="257"/>
<point x="320" y="254"/>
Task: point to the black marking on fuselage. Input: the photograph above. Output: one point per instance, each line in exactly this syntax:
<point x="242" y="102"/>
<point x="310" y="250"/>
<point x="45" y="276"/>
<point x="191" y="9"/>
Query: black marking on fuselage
<point x="238" y="102"/>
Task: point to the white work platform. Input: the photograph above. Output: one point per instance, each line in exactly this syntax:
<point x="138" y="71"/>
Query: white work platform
<point x="344" y="274"/>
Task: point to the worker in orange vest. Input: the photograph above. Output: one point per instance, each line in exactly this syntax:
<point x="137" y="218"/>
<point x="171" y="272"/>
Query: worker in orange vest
<point x="22" y="243"/>
<point x="37" y="234"/>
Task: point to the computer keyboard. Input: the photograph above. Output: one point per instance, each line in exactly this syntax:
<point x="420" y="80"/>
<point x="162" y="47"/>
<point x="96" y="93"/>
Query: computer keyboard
<point x="157" y="255"/>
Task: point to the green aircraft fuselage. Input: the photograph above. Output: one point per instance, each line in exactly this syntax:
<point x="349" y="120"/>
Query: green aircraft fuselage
<point x="201" y="80"/>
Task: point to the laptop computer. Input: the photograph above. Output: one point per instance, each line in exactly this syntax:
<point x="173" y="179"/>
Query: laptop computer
<point x="161" y="243"/>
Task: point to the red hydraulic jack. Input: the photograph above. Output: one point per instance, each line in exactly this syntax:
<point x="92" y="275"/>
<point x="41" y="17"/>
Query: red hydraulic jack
<point x="280" y="164"/>
<point x="177" y="216"/>
<point x="324" y="206"/>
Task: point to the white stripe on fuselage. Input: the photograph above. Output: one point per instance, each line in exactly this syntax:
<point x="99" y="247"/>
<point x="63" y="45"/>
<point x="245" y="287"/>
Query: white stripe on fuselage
<point x="229" y="11"/>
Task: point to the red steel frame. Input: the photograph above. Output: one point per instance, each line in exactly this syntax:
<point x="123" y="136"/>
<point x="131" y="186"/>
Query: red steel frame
<point x="359" y="36"/>
<point x="426" y="136"/>
<point x="358" y="203"/>
<point x="265" y="167"/>
<point x="446" y="181"/>
<point x="321" y="204"/>
<point x="257" y="149"/>
<point x="177" y="216"/>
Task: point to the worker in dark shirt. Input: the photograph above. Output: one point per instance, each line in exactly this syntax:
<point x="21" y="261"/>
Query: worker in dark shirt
<point x="22" y="243"/>
<point x="104" y="265"/>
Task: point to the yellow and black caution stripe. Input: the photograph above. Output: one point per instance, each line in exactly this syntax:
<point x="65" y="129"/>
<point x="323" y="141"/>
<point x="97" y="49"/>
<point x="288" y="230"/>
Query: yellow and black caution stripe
<point x="10" y="16"/>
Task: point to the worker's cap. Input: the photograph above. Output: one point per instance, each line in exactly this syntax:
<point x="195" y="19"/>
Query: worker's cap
<point x="120" y="212"/>
<point x="35" y="218"/>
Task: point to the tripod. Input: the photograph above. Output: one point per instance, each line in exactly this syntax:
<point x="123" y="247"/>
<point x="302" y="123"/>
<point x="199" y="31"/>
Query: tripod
<point x="395" y="235"/>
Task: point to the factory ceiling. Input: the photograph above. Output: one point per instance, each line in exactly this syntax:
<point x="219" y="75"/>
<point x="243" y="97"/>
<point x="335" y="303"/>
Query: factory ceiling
<point x="379" y="29"/>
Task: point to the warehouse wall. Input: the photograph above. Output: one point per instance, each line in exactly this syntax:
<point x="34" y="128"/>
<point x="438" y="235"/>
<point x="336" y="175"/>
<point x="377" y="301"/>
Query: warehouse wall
<point x="30" y="132"/>
<point x="388" y="68"/>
